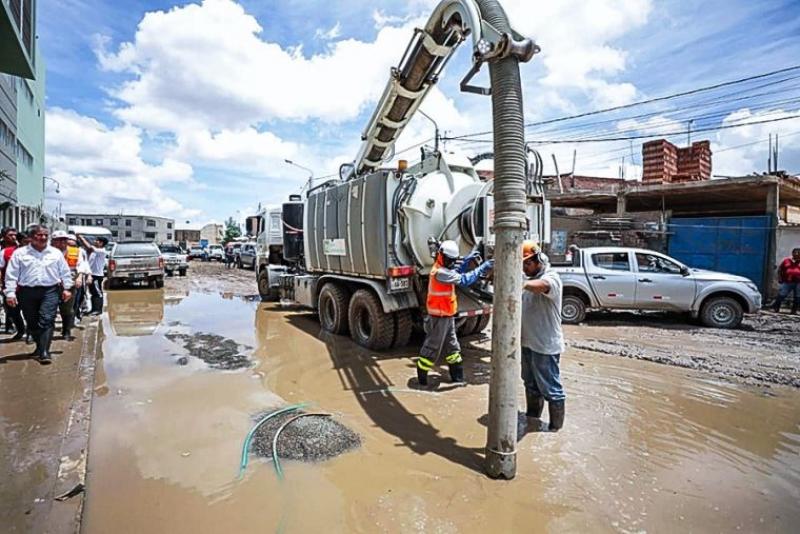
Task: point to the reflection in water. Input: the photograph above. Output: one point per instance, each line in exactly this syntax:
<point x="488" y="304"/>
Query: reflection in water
<point x="135" y="312"/>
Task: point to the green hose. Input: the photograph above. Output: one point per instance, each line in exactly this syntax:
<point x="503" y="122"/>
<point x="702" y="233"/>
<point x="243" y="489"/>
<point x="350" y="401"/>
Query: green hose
<point x="246" y="446"/>
<point x="275" y="460"/>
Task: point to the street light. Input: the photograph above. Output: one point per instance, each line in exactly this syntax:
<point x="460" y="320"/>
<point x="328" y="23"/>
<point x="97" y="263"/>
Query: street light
<point x="58" y="184"/>
<point x="436" y="130"/>
<point x="310" y="172"/>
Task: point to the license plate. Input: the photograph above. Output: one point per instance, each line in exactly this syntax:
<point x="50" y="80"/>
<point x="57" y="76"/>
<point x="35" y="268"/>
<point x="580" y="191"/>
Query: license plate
<point x="399" y="284"/>
<point x="138" y="275"/>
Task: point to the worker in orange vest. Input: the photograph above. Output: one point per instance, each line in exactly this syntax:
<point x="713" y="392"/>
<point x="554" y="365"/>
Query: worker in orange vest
<point x="442" y="305"/>
<point x="72" y="254"/>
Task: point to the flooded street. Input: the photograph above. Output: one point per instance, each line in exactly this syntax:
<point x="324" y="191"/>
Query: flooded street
<point x="646" y="447"/>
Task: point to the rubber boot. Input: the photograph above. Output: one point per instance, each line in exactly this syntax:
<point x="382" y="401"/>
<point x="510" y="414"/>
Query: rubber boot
<point x="535" y="405"/>
<point x="422" y="377"/>
<point x="45" y="338"/>
<point x="456" y="373"/>
<point x="556" y="410"/>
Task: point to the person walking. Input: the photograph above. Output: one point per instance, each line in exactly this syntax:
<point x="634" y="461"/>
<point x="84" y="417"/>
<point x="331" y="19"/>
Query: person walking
<point x="84" y="275"/>
<point x="37" y="277"/>
<point x="542" y="339"/>
<point x="13" y="315"/>
<point x="66" y="308"/>
<point x="442" y="305"/>
<point x="97" y="264"/>
<point x="789" y="279"/>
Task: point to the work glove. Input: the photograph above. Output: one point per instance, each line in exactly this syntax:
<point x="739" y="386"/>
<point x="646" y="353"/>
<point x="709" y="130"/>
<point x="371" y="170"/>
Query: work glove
<point x="486" y="267"/>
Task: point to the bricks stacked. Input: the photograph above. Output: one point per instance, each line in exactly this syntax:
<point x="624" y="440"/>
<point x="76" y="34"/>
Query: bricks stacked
<point x="663" y="162"/>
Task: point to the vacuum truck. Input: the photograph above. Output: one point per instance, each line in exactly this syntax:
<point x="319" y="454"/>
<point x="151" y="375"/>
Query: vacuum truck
<point x="358" y="249"/>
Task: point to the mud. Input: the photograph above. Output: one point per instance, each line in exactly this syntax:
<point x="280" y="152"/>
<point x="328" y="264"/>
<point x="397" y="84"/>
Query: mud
<point x="307" y="439"/>
<point x="216" y="351"/>
<point x="213" y="277"/>
<point x="764" y="351"/>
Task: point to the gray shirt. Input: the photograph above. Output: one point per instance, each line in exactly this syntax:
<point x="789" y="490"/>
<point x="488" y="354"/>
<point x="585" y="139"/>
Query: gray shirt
<point x="541" y="316"/>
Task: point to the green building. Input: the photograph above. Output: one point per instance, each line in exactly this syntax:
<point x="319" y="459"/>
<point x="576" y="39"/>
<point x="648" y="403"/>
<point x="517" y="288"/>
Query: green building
<point x="30" y="146"/>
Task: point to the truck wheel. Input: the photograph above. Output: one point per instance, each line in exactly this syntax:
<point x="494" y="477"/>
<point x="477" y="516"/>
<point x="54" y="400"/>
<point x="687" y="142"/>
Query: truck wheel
<point x="168" y="273"/>
<point x="721" y="312"/>
<point x="159" y="282"/>
<point x="483" y="322"/>
<point x="403" y="326"/>
<point x="263" y="285"/>
<point x="573" y="309"/>
<point x="467" y="327"/>
<point x="333" y="309"/>
<point x="370" y="327"/>
<point x="182" y="272"/>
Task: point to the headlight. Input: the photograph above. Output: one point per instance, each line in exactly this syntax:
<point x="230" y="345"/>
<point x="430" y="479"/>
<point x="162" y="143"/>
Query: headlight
<point x="751" y="286"/>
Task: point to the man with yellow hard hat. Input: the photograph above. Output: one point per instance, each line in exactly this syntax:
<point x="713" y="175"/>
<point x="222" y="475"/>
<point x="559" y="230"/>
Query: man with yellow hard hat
<point x="542" y="338"/>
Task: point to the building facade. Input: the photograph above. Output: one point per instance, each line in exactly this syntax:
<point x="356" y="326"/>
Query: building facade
<point x="22" y="95"/>
<point x="128" y="227"/>
<point x="213" y="233"/>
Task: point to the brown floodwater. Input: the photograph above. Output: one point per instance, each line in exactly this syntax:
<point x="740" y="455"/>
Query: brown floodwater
<point x="645" y="447"/>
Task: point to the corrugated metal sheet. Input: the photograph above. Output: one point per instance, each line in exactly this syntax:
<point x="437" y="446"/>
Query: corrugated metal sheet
<point x="735" y="245"/>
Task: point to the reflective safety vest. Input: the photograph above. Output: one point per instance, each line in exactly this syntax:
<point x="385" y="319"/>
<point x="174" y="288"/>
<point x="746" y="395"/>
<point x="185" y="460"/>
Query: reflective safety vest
<point x="442" y="301"/>
<point x="72" y="255"/>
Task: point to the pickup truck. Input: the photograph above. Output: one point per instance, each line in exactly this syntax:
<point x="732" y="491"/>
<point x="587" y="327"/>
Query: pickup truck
<point x="618" y="278"/>
<point x="174" y="260"/>
<point x="135" y="262"/>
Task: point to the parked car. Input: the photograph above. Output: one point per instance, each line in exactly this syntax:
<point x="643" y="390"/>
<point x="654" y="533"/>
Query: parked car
<point x="197" y="253"/>
<point x="174" y="260"/>
<point x="621" y="278"/>
<point x="216" y="252"/>
<point x="135" y="262"/>
<point x="247" y="256"/>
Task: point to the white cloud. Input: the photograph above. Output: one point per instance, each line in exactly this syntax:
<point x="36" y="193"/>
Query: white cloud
<point x="657" y="125"/>
<point x="329" y="34"/>
<point x="101" y="168"/>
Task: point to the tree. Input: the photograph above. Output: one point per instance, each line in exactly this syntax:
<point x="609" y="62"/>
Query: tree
<point x="232" y="230"/>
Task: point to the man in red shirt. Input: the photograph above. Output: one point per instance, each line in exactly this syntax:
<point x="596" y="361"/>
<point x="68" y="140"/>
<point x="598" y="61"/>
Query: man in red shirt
<point x="9" y="240"/>
<point x="789" y="278"/>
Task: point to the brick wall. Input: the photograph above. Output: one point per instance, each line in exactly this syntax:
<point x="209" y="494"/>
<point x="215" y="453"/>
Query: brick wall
<point x="663" y="162"/>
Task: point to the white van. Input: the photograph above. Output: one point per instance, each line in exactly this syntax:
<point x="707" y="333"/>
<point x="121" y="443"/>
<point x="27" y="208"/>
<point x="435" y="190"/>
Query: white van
<point x="91" y="232"/>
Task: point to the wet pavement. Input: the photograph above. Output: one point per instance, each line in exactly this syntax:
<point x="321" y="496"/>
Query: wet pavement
<point x="645" y="446"/>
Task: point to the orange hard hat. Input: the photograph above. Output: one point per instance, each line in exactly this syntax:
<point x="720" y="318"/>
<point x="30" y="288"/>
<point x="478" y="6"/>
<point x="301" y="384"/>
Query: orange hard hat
<point x="530" y="249"/>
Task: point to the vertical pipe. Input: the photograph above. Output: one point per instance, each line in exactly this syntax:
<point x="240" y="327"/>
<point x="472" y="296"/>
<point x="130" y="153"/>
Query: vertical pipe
<point x="509" y="225"/>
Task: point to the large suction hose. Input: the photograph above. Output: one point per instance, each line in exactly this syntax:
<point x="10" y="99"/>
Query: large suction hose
<point x="509" y="225"/>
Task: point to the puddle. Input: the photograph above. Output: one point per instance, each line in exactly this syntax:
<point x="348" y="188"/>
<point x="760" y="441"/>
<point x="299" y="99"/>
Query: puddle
<point x="645" y="447"/>
<point x="216" y="351"/>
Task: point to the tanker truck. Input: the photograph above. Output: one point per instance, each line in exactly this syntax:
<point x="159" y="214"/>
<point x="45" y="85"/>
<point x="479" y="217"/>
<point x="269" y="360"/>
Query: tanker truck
<point x="358" y="249"/>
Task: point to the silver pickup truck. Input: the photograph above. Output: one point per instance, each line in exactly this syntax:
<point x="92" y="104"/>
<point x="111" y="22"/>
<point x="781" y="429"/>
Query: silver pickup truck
<point x="135" y="262"/>
<point x="636" y="279"/>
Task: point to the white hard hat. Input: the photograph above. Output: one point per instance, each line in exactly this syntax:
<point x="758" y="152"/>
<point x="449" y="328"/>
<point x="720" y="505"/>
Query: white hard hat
<point x="59" y="234"/>
<point x="449" y="249"/>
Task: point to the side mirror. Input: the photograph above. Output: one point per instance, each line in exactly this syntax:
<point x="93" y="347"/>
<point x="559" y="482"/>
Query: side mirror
<point x="685" y="271"/>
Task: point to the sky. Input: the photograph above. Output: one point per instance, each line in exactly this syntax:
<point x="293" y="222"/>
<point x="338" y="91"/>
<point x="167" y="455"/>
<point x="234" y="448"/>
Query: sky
<point x="189" y="109"/>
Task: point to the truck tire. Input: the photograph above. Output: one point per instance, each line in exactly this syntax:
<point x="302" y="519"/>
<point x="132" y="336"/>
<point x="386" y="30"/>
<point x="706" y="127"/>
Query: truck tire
<point x="370" y="327"/>
<point x="159" y="282"/>
<point x="467" y="327"/>
<point x="483" y="322"/>
<point x="182" y="272"/>
<point x="573" y="309"/>
<point x="403" y="326"/>
<point x="264" y="291"/>
<point x="721" y="312"/>
<point x="333" y="310"/>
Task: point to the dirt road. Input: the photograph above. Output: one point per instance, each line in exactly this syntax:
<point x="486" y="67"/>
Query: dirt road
<point x="645" y="447"/>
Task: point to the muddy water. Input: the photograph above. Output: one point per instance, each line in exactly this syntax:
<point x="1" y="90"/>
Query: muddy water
<point x="646" y="447"/>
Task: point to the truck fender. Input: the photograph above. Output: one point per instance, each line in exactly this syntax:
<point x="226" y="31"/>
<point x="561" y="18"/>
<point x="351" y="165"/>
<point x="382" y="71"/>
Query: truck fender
<point x="721" y="289"/>
<point x="391" y="302"/>
<point x="581" y="287"/>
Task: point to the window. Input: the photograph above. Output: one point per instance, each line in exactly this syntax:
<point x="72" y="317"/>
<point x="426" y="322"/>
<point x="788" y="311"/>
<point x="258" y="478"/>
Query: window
<point x="650" y="263"/>
<point x="127" y="233"/>
<point x="169" y="226"/>
<point x="612" y="261"/>
<point x="114" y="222"/>
<point x="151" y="222"/>
<point x="149" y="235"/>
<point x="98" y="222"/>
<point x="7" y="137"/>
<point x="73" y="220"/>
<point x="23" y="156"/>
<point x="87" y="222"/>
<point x="127" y="223"/>
<point x="169" y="237"/>
<point x="114" y="233"/>
<point x="135" y="249"/>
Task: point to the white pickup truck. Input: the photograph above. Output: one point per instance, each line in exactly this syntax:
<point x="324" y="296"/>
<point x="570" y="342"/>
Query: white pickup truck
<point x="636" y="279"/>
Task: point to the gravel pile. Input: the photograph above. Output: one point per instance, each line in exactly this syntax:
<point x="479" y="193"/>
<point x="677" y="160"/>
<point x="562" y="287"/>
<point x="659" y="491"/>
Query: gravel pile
<point x="307" y="439"/>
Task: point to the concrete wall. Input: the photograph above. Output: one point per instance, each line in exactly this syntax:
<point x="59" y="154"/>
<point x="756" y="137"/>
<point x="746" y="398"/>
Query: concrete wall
<point x="30" y="135"/>
<point x="128" y="227"/>
<point x="8" y="141"/>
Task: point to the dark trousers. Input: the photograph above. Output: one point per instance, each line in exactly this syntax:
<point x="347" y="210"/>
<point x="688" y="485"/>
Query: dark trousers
<point x="786" y="289"/>
<point x="39" y="306"/>
<point x="77" y="301"/>
<point x="14" y="316"/>
<point x="96" y="289"/>
<point x="66" y="308"/>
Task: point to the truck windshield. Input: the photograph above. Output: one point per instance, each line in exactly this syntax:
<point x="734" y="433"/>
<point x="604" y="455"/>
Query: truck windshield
<point x="135" y="249"/>
<point x="170" y="248"/>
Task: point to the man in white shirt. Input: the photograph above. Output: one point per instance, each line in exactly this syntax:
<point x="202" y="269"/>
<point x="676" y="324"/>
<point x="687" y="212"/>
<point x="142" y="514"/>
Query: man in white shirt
<point x="542" y="338"/>
<point x="97" y="263"/>
<point x="37" y="278"/>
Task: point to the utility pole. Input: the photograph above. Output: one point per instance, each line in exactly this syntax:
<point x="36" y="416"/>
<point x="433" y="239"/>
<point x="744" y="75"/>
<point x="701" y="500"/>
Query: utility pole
<point x="509" y="226"/>
<point x="689" y="132"/>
